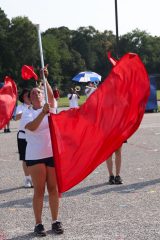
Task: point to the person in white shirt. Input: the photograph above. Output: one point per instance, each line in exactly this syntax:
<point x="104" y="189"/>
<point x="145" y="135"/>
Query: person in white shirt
<point x="90" y="88"/>
<point x="21" y="136"/>
<point x="73" y="97"/>
<point x="40" y="159"/>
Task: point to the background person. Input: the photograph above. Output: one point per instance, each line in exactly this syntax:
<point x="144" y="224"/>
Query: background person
<point x="73" y="97"/>
<point x="14" y="112"/>
<point x="115" y="178"/>
<point x="90" y="88"/>
<point x="21" y="136"/>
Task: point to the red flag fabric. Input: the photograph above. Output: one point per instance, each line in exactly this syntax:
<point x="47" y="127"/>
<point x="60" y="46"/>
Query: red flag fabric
<point x="84" y="138"/>
<point x="8" y="97"/>
<point x="111" y="59"/>
<point x="27" y="72"/>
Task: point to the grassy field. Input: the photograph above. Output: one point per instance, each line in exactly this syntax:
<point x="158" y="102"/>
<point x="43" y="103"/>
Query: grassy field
<point x="64" y="102"/>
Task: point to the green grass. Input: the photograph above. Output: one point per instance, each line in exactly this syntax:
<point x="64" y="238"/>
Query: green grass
<point x="64" y="102"/>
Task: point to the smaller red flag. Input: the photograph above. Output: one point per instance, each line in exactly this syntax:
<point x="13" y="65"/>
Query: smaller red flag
<point x="111" y="59"/>
<point x="27" y="72"/>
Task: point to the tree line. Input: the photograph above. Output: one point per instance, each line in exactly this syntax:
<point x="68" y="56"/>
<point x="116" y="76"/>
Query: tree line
<point x="68" y="51"/>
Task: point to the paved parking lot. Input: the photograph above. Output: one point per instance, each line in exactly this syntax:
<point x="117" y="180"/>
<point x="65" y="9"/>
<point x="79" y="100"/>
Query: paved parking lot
<point x="93" y="209"/>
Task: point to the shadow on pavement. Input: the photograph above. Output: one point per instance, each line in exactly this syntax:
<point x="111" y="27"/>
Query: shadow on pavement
<point x="20" y="203"/>
<point x="24" y="237"/>
<point x="27" y="202"/>
<point x="113" y="188"/>
<point x="128" y="188"/>
<point x="32" y="236"/>
<point x="82" y="190"/>
<point x="9" y="190"/>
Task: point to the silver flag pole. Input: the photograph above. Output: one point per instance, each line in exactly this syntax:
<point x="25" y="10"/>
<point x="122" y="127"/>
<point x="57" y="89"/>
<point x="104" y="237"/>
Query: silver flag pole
<point x="42" y="62"/>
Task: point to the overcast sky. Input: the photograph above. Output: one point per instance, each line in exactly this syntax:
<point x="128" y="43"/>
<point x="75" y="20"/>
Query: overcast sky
<point x="132" y="14"/>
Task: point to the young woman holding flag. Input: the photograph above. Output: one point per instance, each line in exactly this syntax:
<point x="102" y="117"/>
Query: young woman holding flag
<point x="39" y="157"/>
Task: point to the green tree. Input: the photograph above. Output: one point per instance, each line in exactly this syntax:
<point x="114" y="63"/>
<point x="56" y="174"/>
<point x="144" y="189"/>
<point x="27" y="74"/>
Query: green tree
<point x="23" y="46"/>
<point x="63" y="60"/>
<point x="145" y="45"/>
<point x="93" y="47"/>
<point x="4" y="56"/>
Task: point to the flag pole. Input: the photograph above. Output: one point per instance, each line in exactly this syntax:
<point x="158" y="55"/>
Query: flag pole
<point x="46" y="100"/>
<point x="117" y="36"/>
<point x="42" y="62"/>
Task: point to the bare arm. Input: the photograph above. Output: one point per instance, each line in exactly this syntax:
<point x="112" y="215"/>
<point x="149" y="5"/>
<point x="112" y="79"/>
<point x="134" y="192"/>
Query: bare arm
<point x="33" y="125"/>
<point x="18" y="116"/>
<point x="49" y="89"/>
<point x="50" y="95"/>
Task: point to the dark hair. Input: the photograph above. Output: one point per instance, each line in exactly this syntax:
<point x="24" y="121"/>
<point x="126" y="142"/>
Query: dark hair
<point x="24" y="91"/>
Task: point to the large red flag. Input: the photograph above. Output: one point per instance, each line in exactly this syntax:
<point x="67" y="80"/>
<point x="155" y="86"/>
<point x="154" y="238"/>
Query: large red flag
<point x="27" y="72"/>
<point x="8" y="97"/>
<point x="83" y="138"/>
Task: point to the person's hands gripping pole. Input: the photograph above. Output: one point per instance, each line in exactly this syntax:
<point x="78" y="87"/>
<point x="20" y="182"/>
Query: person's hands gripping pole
<point x="45" y="71"/>
<point x="46" y="108"/>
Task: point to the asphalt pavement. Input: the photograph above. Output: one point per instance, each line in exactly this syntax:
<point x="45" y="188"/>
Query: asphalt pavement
<point x="93" y="209"/>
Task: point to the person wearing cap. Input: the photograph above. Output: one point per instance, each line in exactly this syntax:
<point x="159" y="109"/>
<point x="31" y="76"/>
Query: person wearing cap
<point x="21" y="136"/>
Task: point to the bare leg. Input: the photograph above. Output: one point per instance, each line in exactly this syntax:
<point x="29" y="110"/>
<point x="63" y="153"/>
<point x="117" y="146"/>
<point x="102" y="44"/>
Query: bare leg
<point x="6" y="128"/>
<point x="8" y="125"/>
<point x="110" y="170"/>
<point x="38" y="174"/>
<point x="25" y="169"/>
<point x="53" y="192"/>
<point x="110" y="165"/>
<point x="118" y="160"/>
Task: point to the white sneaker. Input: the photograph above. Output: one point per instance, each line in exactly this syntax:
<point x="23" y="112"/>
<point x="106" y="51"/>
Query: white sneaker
<point x="28" y="183"/>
